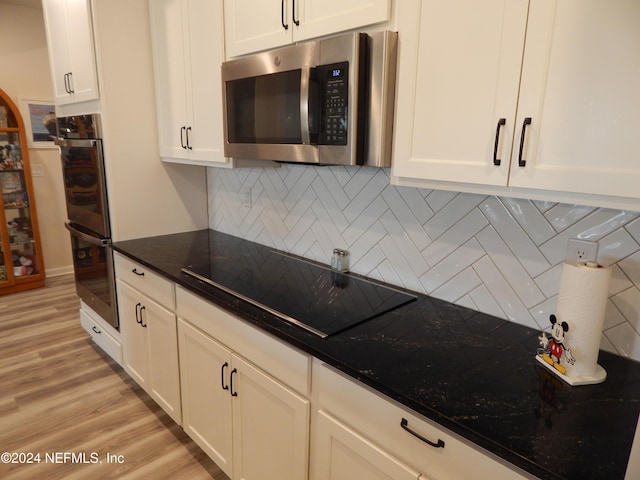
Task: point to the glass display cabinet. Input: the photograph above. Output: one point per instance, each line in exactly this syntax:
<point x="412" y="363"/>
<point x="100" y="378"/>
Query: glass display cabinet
<point x="21" y="266"/>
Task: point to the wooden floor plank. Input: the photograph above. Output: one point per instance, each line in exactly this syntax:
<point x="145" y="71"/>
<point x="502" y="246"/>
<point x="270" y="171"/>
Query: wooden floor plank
<point x="59" y="393"/>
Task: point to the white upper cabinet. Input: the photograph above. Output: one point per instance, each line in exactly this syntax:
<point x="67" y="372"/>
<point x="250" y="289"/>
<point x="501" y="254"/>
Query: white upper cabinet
<point x="580" y="86"/>
<point x="254" y="25"/>
<point x="538" y="94"/>
<point x="69" y="32"/>
<point x="188" y="51"/>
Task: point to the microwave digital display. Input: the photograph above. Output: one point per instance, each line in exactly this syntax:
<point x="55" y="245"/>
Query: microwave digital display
<point x="335" y="104"/>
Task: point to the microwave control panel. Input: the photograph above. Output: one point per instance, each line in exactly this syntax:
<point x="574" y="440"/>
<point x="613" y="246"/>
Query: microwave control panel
<point x="334" y="88"/>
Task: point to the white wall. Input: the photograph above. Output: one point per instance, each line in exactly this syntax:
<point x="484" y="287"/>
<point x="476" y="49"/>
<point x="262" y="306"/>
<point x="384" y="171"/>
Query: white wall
<point x="147" y="197"/>
<point x="501" y="256"/>
<point x="24" y="72"/>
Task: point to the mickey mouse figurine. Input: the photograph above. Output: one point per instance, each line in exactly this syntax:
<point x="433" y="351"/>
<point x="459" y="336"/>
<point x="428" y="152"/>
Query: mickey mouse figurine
<point x="552" y="349"/>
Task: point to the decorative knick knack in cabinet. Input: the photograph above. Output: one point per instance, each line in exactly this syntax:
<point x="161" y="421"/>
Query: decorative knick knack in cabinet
<point x="21" y="266"/>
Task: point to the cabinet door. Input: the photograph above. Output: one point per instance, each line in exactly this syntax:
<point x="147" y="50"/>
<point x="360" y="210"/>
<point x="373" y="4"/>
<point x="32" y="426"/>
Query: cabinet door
<point x="59" y="57"/>
<point x="251" y="25"/>
<point x="84" y="80"/>
<point x="188" y="51"/>
<point x="150" y="347"/>
<point x="167" y="25"/>
<point x="271" y="427"/>
<point x="71" y="50"/>
<point x="164" y="376"/>
<point x="321" y="17"/>
<point x="343" y="454"/>
<point x="580" y="78"/>
<point x="458" y="75"/>
<point x="135" y="348"/>
<point x="206" y="402"/>
<point x="206" y="54"/>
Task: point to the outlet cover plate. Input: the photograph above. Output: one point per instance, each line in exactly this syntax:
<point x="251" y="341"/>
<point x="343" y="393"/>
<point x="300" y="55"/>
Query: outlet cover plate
<point x="582" y="250"/>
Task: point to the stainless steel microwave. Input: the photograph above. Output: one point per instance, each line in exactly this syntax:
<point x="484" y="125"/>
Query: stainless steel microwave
<point x="324" y="102"/>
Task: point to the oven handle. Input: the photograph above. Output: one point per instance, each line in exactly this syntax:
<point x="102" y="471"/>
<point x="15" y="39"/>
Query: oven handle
<point x="101" y="242"/>
<point x="82" y="143"/>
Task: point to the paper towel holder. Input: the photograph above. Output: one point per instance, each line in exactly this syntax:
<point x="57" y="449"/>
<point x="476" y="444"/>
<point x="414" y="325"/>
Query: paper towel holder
<point x="554" y="351"/>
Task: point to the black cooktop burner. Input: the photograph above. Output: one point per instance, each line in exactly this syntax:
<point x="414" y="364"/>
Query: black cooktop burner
<point x="311" y="296"/>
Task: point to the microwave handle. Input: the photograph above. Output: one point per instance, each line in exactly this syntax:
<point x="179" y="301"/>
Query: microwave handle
<point x="305" y="128"/>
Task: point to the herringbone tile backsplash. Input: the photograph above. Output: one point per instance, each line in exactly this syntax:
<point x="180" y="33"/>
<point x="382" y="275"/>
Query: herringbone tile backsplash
<point x="501" y="256"/>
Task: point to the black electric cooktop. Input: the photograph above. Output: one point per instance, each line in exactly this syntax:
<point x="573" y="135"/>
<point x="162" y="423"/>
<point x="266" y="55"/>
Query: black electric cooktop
<point x="311" y="296"/>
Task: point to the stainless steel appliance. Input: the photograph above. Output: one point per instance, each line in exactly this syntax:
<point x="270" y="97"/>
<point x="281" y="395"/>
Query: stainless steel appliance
<point x="80" y="141"/>
<point x="323" y="102"/>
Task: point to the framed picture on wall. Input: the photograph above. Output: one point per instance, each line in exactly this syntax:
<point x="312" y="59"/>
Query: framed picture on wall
<point x="40" y="122"/>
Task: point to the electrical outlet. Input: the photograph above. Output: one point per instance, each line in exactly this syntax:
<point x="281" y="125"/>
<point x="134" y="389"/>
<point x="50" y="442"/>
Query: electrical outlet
<point x="246" y="197"/>
<point x="582" y="250"/>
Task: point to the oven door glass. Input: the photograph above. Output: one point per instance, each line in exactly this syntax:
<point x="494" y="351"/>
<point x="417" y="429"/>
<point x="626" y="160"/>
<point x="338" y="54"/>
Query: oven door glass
<point x="84" y="183"/>
<point x="93" y="269"/>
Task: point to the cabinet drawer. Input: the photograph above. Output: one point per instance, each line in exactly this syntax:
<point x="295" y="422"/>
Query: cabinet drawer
<point x="273" y="356"/>
<point x="101" y="336"/>
<point x="379" y="419"/>
<point x="144" y="280"/>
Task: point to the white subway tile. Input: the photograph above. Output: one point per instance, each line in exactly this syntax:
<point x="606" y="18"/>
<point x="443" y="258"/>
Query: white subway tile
<point x="514" y="236"/>
<point x="625" y="340"/>
<point x="521" y="283"/>
<point x="530" y="219"/>
<point x="564" y="215"/>
<point x="628" y="302"/>
<point x="450" y="214"/>
<point x="451" y="265"/>
<point x="458" y="286"/>
<point x="501" y="291"/>
<point x="455" y="236"/>
<point x="485" y="301"/>
<point x="616" y="246"/>
<point x="631" y="267"/>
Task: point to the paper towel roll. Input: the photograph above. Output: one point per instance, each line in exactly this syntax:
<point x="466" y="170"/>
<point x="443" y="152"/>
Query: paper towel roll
<point x="582" y="300"/>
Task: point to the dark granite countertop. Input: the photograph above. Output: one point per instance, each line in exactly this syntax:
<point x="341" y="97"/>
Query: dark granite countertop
<point x="472" y="373"/>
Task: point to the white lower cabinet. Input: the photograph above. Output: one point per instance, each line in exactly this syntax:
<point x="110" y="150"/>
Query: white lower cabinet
<point x="271" y="426"/>
<point x="252" y="424"/>
<point x="149" y="333"/>
<point x="243" y="396"/>
<point x="150" y="347"/>
<point x="344" y="454"/>
<point x="359" y="430"/>
<point x="206" y="409"/>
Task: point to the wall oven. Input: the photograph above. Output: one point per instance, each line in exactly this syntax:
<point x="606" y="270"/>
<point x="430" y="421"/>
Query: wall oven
<point x="328" y="102"/>
<point x="80" y="141"/>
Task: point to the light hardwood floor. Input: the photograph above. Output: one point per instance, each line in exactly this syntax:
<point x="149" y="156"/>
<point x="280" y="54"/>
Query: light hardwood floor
<point x="59" y="393"/>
